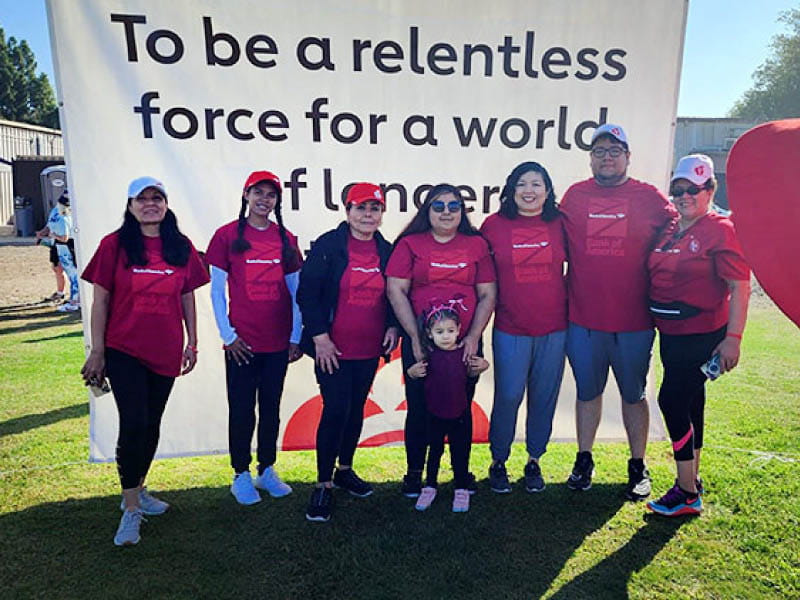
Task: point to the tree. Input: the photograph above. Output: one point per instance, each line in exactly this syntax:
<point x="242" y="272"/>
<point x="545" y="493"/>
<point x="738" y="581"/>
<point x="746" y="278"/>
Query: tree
<point x="24" y="95"/>
<point x="776" y="90"/>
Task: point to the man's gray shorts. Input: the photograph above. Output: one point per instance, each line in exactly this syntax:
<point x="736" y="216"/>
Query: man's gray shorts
<point x="591" y="352"/>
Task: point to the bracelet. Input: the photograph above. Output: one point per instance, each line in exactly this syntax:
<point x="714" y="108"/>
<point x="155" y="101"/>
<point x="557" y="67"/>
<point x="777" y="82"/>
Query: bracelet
<point x="192" y="348"/>
<point x="738" y="336"/>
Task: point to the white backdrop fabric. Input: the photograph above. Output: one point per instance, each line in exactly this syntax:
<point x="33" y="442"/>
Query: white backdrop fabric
<point x="199" y="93"/>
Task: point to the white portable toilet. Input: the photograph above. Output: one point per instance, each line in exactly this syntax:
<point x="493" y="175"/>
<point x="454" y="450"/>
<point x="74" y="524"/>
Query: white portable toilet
<point x="53" y="183"/>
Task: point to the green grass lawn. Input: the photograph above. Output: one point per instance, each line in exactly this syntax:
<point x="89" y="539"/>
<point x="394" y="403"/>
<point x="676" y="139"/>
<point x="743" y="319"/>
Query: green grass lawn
<point x="58" y="513"/>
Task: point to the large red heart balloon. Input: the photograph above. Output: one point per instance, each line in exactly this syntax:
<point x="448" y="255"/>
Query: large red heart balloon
<point x="764" y="193"/>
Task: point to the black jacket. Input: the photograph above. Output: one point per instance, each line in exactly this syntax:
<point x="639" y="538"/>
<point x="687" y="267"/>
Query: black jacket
<point x="318" y="293"/>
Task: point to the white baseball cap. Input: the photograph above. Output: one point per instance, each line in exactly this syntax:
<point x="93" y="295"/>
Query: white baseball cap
<point x="614" y="131"/>
<point x="138" y="185"/>
<point x="697" y="168"/>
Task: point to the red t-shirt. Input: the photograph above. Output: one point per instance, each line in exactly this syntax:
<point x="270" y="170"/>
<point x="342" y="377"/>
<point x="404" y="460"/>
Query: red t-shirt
<point x="145" y="315"/>
<point x="359" y="322"/>
<point x="443" y="273"/>
<point x="529" y="255"/>
<point x="610" y="232"/>
<point x="260" y="303"/>
<point x="446" y="383"/>
<point x="693" y="268"/>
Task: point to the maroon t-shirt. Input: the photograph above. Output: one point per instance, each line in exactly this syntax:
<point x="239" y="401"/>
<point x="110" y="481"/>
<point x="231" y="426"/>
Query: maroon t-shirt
<point x="260" y="306"/>
<point x="145" y="314"/>
<point x="446" y="383"/>
<point x="359" y="322"/>
<point x="443" y="273"/>
<point x="694" y="267"/>
<point x="529" y="255"/>
<point x="610" y="232"/>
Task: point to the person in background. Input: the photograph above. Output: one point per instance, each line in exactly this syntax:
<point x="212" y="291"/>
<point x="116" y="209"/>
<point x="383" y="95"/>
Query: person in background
<point x="611" y="222"/>
<point x="347" y="326"/>
<point x="259" y="262"/>
<point x="43" y="237"/>
<point x="58" y="235"/>
<point x="699" y="292"/>
<point x="439" y="257"/>
<point x="530" y="324"/>
<point x="144" y="275"/>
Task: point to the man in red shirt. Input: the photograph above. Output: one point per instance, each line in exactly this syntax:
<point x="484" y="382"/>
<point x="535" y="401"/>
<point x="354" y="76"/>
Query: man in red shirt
<point x="611" y="222"/>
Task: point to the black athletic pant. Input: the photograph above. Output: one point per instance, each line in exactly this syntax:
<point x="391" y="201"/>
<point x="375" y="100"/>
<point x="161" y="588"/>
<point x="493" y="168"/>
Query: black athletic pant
<point x="261" y="380"/>
<point x="343" y="396"/>
<point x="141" y="396"/>
<point x="459" y="434"/>
<point x="416" y="438"/>
<point x="682" y="395"/>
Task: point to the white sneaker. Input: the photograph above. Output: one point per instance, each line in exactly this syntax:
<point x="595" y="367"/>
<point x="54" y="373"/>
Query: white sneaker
<point x="271" y="483"/>
<point x="68" y="307"/>
<point x="128" y="530"/>
<point x="149" y="505"/>
<point x="243" y="490"/>
<point x="426" y="498"/>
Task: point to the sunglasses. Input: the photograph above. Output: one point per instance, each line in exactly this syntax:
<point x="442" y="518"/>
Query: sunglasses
<point x="613" y="152"/>
<point x="453" y="206"/>
<point x="693" y="190"/>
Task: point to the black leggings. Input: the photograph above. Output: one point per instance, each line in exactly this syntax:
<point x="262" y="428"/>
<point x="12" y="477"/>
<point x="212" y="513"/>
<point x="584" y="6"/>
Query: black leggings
<point x="141" y="396"/>
<point x="262" y="378"/>
<point x="682" y="395"/>
<point x="416" y="437"/>
<point x="459" y="434"/>
<point x="343" y="396"/>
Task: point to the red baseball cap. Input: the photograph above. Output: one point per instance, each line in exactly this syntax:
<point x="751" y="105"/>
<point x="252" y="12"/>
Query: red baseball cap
<point x="364" y="192"/>
<point x="259" y="176"/>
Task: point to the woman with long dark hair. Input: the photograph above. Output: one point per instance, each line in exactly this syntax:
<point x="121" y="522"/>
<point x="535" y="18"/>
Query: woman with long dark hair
<point x="439" y="259"/>
<point x="347" y="327"/>
<point x="144" y="277"/>
<point x="259" y="262"/>
<point x="529" y="336"/>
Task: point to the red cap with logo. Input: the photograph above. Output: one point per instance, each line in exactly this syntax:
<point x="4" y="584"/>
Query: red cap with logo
<point x="259" y="176"/>
<point x="364" y="192"/>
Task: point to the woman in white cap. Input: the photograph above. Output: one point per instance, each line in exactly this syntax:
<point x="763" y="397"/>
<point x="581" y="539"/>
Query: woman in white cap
<point x="699" y="291"/>
<point x="144" y="275"/>
<point x="258" y="260"/>
<point x="347" y="327"/>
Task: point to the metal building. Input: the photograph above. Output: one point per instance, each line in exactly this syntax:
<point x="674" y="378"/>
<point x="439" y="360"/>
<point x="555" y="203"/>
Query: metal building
<point x="714" y="137"/>
<point x="23" y="139"/>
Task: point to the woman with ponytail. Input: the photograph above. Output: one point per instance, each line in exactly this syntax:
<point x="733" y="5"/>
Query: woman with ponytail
<point x="144" y="277"/>
<point x="259" y="262"/>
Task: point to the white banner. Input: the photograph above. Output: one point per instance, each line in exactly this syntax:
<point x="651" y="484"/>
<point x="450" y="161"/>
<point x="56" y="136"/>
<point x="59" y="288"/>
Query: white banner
<point x="404" y="93"/>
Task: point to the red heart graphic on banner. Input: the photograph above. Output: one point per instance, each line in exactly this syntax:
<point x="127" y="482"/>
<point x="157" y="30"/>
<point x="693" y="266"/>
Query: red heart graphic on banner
<point x="764" y="192"/>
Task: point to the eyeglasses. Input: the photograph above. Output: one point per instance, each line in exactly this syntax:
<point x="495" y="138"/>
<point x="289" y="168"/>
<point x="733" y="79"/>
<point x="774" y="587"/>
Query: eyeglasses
<point x="613" y="151"/>
<point x="453" y="206"/>
<point x="693" y="190"/>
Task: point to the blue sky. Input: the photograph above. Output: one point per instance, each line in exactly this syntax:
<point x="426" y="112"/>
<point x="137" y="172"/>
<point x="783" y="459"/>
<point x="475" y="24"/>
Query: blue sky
<point x="725" y="41"/>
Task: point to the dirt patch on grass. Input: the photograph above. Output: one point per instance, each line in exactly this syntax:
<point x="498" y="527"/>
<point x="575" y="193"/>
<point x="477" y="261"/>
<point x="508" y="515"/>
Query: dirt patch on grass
<point x="26" y="276"/>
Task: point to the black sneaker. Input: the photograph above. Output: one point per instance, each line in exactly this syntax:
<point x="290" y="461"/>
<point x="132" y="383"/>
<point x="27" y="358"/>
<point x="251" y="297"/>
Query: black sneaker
<point x="412" y="485"/>
<point x="348" y="480"/>
<point x="534" y="482"/>
<point x="320" y="505"/>
<point x="639" y="486"/>
<point x="498" y="479"/>
<point x="582" y="471"/>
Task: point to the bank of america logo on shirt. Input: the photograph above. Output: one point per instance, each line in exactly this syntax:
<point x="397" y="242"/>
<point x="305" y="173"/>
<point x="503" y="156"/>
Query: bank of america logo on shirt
<point x="366" y="282"/>
<point x="608" y="217"/>
<point x="531" y="254"/>
<point x="152" y="287"/>
<point x="262" y="271"/>
<point x="449" y="265"/>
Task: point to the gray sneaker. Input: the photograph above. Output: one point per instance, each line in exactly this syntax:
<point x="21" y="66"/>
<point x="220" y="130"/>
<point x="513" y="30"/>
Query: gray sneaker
<point x="534" y="482"/>
<point x="498" y="479"/>
<point x="128" y="530"/>
<point x="149" y="504"/>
